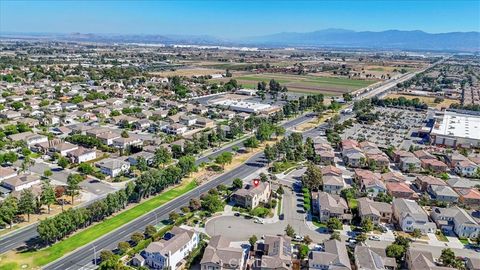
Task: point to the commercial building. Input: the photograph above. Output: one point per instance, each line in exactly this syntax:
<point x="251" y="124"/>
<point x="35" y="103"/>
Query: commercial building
<point x="456" y="129"/>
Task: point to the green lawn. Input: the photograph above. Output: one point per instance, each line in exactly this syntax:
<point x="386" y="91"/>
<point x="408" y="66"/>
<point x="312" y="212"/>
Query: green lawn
<point x="352" y="203"/>
<point x="464" y="240"/>
<point x="281" y="166"/>
<point x="319" y="224"/>
<point x="309" y="80"/>
<point x="50" y="254"/>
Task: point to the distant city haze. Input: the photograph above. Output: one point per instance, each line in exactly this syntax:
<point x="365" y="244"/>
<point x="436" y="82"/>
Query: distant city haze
<point x="235" y="19"/>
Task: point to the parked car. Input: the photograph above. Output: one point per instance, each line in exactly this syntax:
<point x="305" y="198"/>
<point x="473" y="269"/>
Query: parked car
<point x="298" y="238"/>
<point x="237" y="214"/>
<point x="258" y="221"/>
<point x="374" y="238"/>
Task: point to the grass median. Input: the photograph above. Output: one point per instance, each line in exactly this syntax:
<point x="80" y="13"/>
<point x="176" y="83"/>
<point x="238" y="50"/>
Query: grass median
<point x="33" y="259"/>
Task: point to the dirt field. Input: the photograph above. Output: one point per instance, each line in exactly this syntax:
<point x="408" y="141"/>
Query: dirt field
<point x="428" y="100"/>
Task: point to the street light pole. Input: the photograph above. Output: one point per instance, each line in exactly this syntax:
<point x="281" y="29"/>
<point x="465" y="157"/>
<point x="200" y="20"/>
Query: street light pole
<point x="94" y="255"/>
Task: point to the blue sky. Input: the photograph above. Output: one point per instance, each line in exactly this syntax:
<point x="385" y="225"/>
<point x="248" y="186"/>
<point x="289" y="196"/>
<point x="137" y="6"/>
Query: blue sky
<point x="231" y="19"/>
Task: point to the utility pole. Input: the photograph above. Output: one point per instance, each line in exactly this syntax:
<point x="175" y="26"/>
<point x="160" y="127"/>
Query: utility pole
<point x="94" y="255"/>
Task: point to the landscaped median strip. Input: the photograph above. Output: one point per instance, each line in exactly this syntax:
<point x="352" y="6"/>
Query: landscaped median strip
<point x="56" y="251"/>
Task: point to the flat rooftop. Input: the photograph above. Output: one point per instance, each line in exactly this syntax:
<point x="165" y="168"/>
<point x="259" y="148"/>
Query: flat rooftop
<point x="459" y="125"/>
<point x="243" y="104"/>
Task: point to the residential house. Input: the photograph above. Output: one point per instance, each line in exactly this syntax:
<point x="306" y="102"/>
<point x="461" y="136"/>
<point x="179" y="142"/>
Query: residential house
<point x="421" y="259"/>
<point x="377" y="212"/>
<point x="82" y="155"/>
<point x="63" y="148"/>
<point x="335" y="256"/>
<point x="423" y="155"/>
<point x="370" y="258"/>
<point x="113" y="167"/>
<point x="276" y="253"/>
<point x="29" y="137"/>
<point x="460" y="183"/>
<point x="220" y="255"/>
<point x="400" y="190"/>
<point x="424" y="181"/>
<point x="142" y="124"/>
<point x="409" y="216"/>
<point x="370" y="182"/>
<point x="251" y="196"/>
<point x="393" y="177"/>
<point x="176" y="129"/>
<point x="466" y="168"/>
<point x="204" y="122"/>
<point x="108" y="137"/>
<point x="188" y="120"/>
<point x="175" y="246"/>
<point x="469" y="196"/>
<point x="147" y="156"/>
<point x="21" y="182"/>
<point x="7" y="172"/>
<point x="124" y="143"/>
<point x="409" y="164"/>
<point x="354" y="157"/>
<point x="434" y="165"/>
<point x="332" y="205"/>
<point x="443" y="193"/>
<point x="472" y="263"/>
<point x="456" y="219"/>
<point x="333" y="184"/>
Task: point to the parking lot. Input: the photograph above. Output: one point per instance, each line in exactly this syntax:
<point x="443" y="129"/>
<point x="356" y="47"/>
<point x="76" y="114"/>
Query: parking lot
<point x="394" y="127"/>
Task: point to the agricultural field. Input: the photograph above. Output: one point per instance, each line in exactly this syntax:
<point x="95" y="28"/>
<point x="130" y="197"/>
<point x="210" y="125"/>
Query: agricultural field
<point x="309" y="84"/>
<point x="188" y="72"/>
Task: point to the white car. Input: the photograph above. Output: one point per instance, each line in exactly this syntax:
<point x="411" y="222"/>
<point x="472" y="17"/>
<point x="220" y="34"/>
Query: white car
<point x="298" y="238"/>
<point x="258" y="221"/>
<point x="374" y="238"/>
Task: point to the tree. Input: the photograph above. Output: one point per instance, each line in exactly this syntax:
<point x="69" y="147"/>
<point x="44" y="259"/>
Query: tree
<point x="142" y="164"/>
<point x="212" y="203"/>
<point x="290" y="231"/>
<point x="63" y="162"/>
<point x="252" y="240"/>
<point x="416" y="233"/>
<point x="106" y="255"/>
<point x="162" y="156"/>
<point x="251" y="142"/>
<point x="187" y="164"/>
<point x="173" y="216"/>
<point x="448" y="257"/>
<point x="312" y="179"/>
<point x="136" y="238"/>
<point x="73" y="185"/>
<point x="8" y="210"/>
<point x="361" y="237"/>
<point x="195" y="204"/>
<point x="150" y="230"/>
<point x="124" y="134"/>
<point x="303" y="251"/>
<point x="224" y="158"/>
<point x="47" y="173"/>
<point x="335" y="236"/>
<point x="367" y="224"/>
<point x="123" y="247"/>
<point x="334" y="224"/>
<point x="395" y="251"/>
<point x="27" y="204"/>
<point x="237" y="183"/>
<point x="48" y="194"/>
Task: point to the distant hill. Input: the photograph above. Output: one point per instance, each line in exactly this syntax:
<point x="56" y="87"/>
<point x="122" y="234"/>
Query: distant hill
<point x="391" y="39"/>
<point x="332" y="38"/>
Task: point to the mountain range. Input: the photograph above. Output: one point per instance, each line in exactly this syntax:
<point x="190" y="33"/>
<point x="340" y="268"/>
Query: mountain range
<point x="331" y="38"/>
